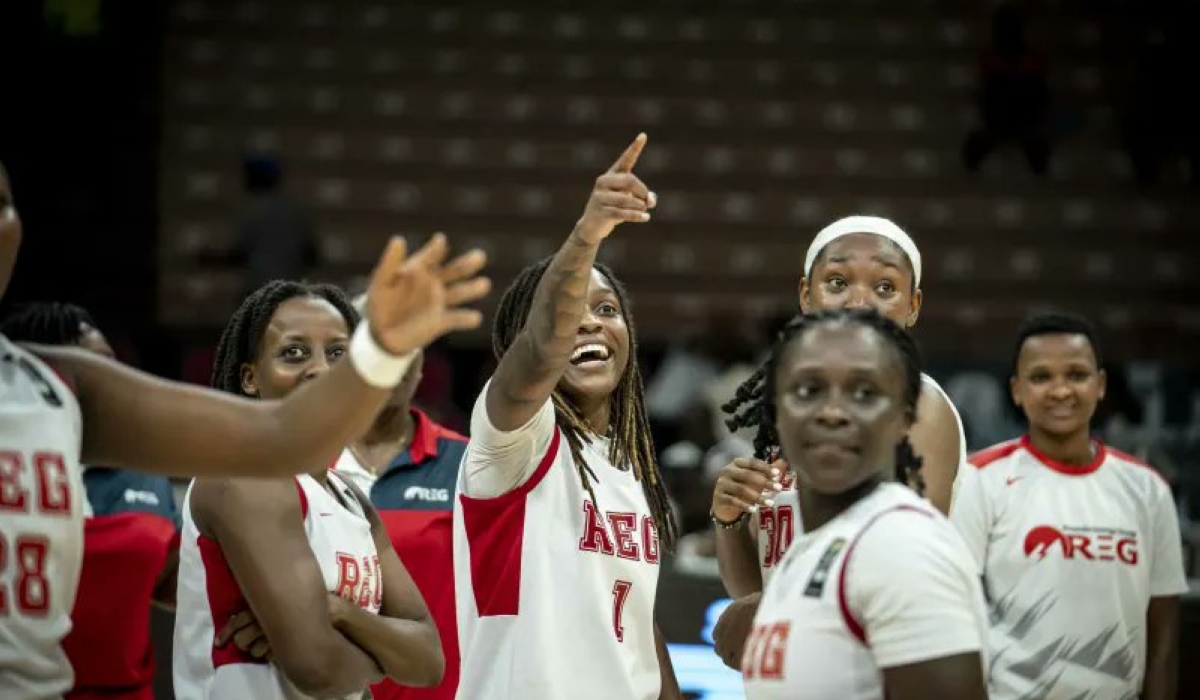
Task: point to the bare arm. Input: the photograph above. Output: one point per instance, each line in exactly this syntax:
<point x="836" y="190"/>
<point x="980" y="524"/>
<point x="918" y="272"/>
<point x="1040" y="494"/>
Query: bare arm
<point x="260" y="529"/>
<point x="402" y="637"/>
<point x="1162" y="649"/>
<point x="670" y="684"/>
<point x="532" y="366"/>
<point x="959" y="677"/>
<point x="741" y="486"/>
<point x="935" y="438"/>
<point x="737" y="559"/>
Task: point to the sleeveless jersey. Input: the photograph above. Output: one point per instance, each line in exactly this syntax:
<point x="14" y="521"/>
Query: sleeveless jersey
<point x="1071" y="556"/>
<point x="779" y="523"/>
<point x="41" y="524"/>
<point x="556" y="591"/>
<point x="885" y="583"/>
<point x="340" y="536"/>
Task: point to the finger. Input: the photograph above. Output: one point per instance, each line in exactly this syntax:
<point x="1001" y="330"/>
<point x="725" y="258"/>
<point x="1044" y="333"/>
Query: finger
<point x="742" y="502"/>
<point x="467" y="292"/>
<point x="748" y="494"/>
<point x="246" y="637"/>
<point x="464" y="266"/>
<point x="626" y="215"/>
<point x="235" y="624"/>
<point x="750" y="479"/>
<point x="432" y="254"/>
<point x="629" y="158"/>
<point x="624" y="182"/>
<point x="392" y="259"/>
<point x="461" y="320"/>
<point x="618" y="200"/>
<point x="260" y="648"/>
<point x="757" y="465"/>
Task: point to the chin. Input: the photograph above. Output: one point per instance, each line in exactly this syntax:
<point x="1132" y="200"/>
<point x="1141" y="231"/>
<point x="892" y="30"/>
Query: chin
<point x="588" y="389"/>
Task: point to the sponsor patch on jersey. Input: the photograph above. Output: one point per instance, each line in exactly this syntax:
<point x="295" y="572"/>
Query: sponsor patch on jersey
<point x="816" y="582"/>
<point x="422" y="493"/>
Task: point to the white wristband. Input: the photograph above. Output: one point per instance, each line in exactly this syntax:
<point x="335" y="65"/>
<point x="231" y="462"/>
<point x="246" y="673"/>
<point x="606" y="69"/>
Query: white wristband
<point x="376" y="366"/>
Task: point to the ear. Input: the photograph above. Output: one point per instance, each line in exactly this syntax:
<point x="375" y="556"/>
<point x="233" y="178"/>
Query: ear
<point x="1013" y="391"/>
<point x="804" y="291"/>
<point x="1102" y="377"/>
<point x="249" y="381"/>
<point x="915" y="308"/>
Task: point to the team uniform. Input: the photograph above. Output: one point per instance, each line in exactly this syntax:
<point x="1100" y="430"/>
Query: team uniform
<point x="340" y="536"/>
<point x="1071" y="556"/>
<point x="778" y="524"/>
<point x="555" y="592"/>
<point x="41" y="524"/>
<point x="129" y="534"/>
<point x="886" y="583"/>
<point x="415" y="500"/>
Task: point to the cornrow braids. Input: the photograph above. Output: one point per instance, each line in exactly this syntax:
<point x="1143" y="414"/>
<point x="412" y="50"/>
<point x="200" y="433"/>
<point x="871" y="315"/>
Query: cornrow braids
<point x="241" y="340"/>
<point x="47" y="323"/>
<point x="753" y="404"/>
<point x="631" y="445"/>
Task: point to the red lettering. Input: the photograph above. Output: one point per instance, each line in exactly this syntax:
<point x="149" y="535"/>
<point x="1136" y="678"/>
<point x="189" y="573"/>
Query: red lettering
<point x="348" y="575"/>
<point x="649" y="539"/>
<point x="1080" y="544"/>
<point x="766" y="523"/>
<point x="1127" y="550"/>
<point x="369" y="578"/>
<point x="27" y="555"/>
<point x="765" y="653"/>
<point x="784" y="519"/>
<point x="750" y="652"/>
<point x="54" y="486"/>
<point x="623" y="525"/>
<point x="595" y="537"/>
<point x="620" y="595"/>
<point x="12" y="493"/>
<point x="377" y="598"/>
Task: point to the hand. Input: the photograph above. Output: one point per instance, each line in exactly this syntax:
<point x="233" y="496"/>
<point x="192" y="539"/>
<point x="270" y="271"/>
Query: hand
<point x="414" y="300"/>
<point x="731" y="631"/>
<point x="243" y="630"/>
<point x="618" y="196"/>
<point x="744" y="484"/>
<point x="337" y="609"/>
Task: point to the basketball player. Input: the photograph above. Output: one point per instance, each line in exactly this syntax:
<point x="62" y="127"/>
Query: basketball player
<point x="561" y="505"/>
<point x="408" y="464"/>
<point x="858" y="261"/>
<point x="1078" y="544"/>
<point x="284" y="547"/>
<point x="130" y="542"/>
<point x="877" y="598"/>
<point x="66" y="404"/>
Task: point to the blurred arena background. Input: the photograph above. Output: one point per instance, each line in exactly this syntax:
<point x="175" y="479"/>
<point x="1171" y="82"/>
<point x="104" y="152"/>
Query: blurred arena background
<point x="167" y="154"/>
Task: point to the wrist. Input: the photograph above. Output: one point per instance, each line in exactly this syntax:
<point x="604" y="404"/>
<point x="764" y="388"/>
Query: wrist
<point x="374" y="364"/>
<point x="586" y="234"/>
<point x="337" y="610"/>
<point x="726" y="523"/>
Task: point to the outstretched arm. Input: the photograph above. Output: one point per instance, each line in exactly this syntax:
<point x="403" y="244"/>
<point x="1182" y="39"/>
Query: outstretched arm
<point x="532" y="366"/>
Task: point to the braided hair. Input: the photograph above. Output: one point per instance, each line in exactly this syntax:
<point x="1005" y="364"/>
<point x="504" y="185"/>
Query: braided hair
<point x="631" y="442"/>
<point x="47" y="323"/>
<point x="753" y="406"/>
<point x="241" y="341"/>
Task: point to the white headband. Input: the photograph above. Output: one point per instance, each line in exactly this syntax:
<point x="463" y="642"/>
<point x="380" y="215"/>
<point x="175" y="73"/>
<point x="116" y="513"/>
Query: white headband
<point x="864" y="224"/>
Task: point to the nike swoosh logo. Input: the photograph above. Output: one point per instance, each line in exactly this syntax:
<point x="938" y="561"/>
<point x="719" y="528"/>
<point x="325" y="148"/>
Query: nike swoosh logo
<point x="1012" y="480"/>
<point x="325" y="515"/>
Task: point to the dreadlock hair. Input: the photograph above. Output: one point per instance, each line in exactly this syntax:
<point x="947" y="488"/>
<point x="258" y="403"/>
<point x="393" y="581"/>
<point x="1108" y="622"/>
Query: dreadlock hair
<point x="241" y="340"/>
<point x="630" y="427"/>
<point x="753" y="406"/>
<point x="47" y="323"/>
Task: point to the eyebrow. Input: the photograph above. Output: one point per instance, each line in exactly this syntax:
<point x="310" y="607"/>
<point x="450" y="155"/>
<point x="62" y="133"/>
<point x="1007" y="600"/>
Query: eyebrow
<point x="882" y="261"/>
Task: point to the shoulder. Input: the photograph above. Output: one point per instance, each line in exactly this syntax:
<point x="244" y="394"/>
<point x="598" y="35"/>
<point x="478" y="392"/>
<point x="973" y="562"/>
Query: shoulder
<point x="1132" y="467"/>
<point x="244" y="500"/>
<point x="364" y="501"/>
<point x="910" y="544"/>
<point x="934" y="406"/>
<point x="995" y="454"/>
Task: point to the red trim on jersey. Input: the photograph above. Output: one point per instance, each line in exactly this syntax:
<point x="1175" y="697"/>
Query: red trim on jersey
<point x="425" y="437"/>
<point x="852" y="622"/>
<point x="495" y="529"/>
<point x="1063" y="467"/>
<point x="303" y="499"/>
<point x="994" y="453"/>
<point x="225" y="600"/>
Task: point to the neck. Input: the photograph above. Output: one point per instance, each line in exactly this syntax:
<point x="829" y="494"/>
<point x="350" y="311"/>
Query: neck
<point x="597" y="417"/>
<point x="816" y="509"/>
<point x="393" y="424"/>
<point x="1075" y="448"/>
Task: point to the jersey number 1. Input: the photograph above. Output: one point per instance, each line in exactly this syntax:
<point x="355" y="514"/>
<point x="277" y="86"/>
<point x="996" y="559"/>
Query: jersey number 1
<point x="27" y="557"/>
<point x="620" y="595"/>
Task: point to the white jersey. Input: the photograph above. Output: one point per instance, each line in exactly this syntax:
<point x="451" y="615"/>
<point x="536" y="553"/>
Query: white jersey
<point x="778" y="523"/>
<point x="886" y="583"/>
<point x="41" y="524"/>
<point x="208" y="595"/>
<point x="1071" y="556"/>
<point x="555" y="592"/>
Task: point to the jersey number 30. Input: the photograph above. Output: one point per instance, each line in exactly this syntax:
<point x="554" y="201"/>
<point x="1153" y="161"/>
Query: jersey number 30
<point x="23" y="562"/>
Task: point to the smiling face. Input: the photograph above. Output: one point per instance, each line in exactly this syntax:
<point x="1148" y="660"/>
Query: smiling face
<point x="305" y="336"/>
<point x="1058" y="383"/>
<point x="601" y="353"/>
<point x="840" y="407"/>
<point x="862" y="269"/>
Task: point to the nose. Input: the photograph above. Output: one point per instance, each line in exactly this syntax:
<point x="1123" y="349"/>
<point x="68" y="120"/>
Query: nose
<point x="589" y="324"/>
<point x="318" y="366"/>
<point x="1060" y="390"/>
<point x="857" y="299"/>
<point x="832" y="413"/>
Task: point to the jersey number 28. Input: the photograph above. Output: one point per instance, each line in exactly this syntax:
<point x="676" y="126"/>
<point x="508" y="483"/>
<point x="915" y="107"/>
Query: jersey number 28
<point x="23" y="563"/>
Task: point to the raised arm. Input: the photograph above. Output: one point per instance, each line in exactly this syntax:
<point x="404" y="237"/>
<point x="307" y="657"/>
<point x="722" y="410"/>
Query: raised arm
<point x="529" y="371"/>
<point x="260" y="529"/>
<point x="402" y="637"/>
<point x="135" y="420"/>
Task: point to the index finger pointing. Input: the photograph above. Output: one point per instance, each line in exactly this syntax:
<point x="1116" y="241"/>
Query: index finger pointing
<point x="629" y="158"/>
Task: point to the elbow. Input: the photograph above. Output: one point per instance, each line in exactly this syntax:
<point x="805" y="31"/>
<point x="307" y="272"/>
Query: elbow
<point x="431" y="672"/>
<point x="423" y="670"/>
<point x="318" y="674"/>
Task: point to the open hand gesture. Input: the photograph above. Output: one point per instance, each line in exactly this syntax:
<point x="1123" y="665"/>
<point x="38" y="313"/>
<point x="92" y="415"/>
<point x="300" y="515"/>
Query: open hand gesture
<point x="618" y="196"/>
<point x="414" y="300"/>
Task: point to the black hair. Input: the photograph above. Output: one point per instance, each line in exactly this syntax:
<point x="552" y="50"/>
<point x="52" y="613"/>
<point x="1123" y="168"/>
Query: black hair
<point x="753" y="406"/>
<point x="241" y="340"/>
<point x="631" y="442"/>
<point x="1055" y="322"/>
<point x="47" y="323"/>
